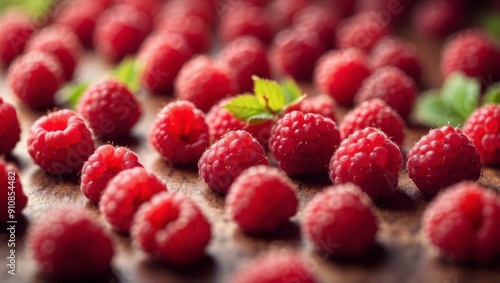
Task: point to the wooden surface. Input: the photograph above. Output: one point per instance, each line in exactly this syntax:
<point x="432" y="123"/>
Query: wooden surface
<point x="401" y="254"/>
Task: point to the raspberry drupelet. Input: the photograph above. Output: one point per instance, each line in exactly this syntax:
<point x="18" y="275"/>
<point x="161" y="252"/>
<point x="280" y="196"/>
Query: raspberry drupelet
<point x="483" y="127"/>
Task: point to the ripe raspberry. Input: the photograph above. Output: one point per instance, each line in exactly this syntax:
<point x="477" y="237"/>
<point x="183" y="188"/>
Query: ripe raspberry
<point x="369" y="159"/>
<point x="377" y="114"/>
<point x="340" y="74"/>
<point x="120" y="31"/>
<point x="196" y="32"/>
<point x="275" y="267"/>
<point x="320" y="104"/>
<point x="60" y="142"/>
<point x="203" y="82"/>
<point x="105" y="163"/>
<point x="473" y="53"/>
<point x="437" y="18"/>
<point x="391" y="85"/>
<point x="34" y="78"/>
<point x="220" y="121"/>
<point x="180" y="133"/>
<point x="10" y="131"/>
<point x="340" y="222"/>
<point x="392" y="12"/>
<point x="125" y="193"/>
<point x="61" y="234"/>
<point x="392" y="51"/>
<point x="283" y="11"/>
<point x="15" y="30"/>
<point x="303" y="143"/>
<point x="462" y="223"/>
<point x="10" y="187"/>
<point x="150" y="8"/>
<point x="261" y="199"/>
<point x="228" y="157"/>
<point x="162" y="57"/>
<point x="171" y="228"/>
<point x="442" y="158"/>
<point x="242" y="20"/>
<point x="483" y="128"/>
<point x="295" y="52"/>
<point x="189" y="8"/>
<point x="245" y="57"/>
<point x="362" y="31"/>
<point x="110" y="108"/>
<point x="320" y="20"/>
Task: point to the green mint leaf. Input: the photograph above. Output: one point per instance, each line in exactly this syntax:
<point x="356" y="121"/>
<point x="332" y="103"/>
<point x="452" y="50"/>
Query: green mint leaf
<point x="260" y="118"/>
<point x="247" y="107"/>
<point x="432" y="111"/>
<point x="73" y="93"/>
<point x="490" y="21"/>
<point x="40" y="9"/>
<point x="461" y="94"/>
<point x="292" y="90"/>
<point x="269" y="94"/>
<point x="492" y="94"/>
<point x="128" y="72"/>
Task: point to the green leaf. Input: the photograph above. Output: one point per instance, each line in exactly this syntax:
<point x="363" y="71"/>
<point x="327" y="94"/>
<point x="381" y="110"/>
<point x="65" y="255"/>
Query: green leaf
<point x="492" y="94"/>
<point x="247" y="107"/>
<point x="461" y="94"/>
<point x="269" y="94"/>
<point x="128" y="72"/>
<point x="39" y="9"/>
<point x="291" y="89"/>
<point x="431" y="110"/>
<point x="259" y="119"/>
<point x="74" y="92"/>
<point x="490" y="21"/>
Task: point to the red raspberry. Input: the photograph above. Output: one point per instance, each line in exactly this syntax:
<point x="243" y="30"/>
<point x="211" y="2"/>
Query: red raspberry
<point x="295" y="52"/>
<point x="261" y="199"/>
<point x="442" y="158"/>
<point x="362" y="30"/>
<point x="35" y="78"/>
<point x="437" y="18"/>
<point x="11" y="193"/>
<point x="60" y="142"/>
<point x="345" y="8"/>
<point x="321" y="104"/>
<point x="391" y="85"/>
<point x="110" y="108"/>
<point x="150" y="8"/>
<point x="180" y="133"/>
<point x="303" y="143"/>
<point x="120" y="31"/>
<point x="204" y="83"/>
<point x="377" y="114"/>
<point x="340" y="222"/>
<point x="63" y="233"/>
<point x="10" y="131"/>
<point x="320" y="20"/>
<point x="283" y="11"/>
<point x="220" y="121"/>
<point x="483" y="128"/>
<point x="391" y="12"/>
<point x="162" y="57"/>
<point x="188" y="8"/>
<point x="228" y="157"/>
<point x="171" y="228"/>
<point x="105" y="163"/>
<point x="196" y="32"/>
<point x="369" y="159"/>
<point x="392" y="51"/>
<point x="473" y="53"/>
<point x="242" y="20"/>
<point x="245" y="57"/>
<point x="15" y="31"/>
<point x="275" y="267"/>
<point x="462" y="223"/>
<point x="340" y="74"/>
<point x="125" y="193"/>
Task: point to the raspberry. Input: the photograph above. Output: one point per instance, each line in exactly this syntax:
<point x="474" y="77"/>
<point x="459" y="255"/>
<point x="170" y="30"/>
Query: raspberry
<point x="320" y="20"/>
<point x="275" y="267"/>
<point x="171" y="228"/>
<point x="105" y="163"/>
<point x="150" y="8"/>
<point x="369" y="159"/>
<point x="362" y="31"/>
<point x="120" y="31"/>
<point x="295" y="52"/>
<point x="220" y="121"/>
<point x="391" y="85"/>
<point x="228" y="157"/>
<point x="340" y="74"/>
<point x="110" y="108"/>
<point x="60" y="142"/>
<point x="180" y="133"/>
<point x="392" y="51"/>
<point x="193" y="29"/>
<point x="377" y="114"/>
<point x="320" y="104"/>
<point x="340" y="222"/>
<point x="303" y="143"/>
<point x="15" y="31"/>
<point x="34" y="78"/>
<point x="442" y="158"/>
<point x="10" y="131"/>
<point x="61" y="234"/>
<point x="125" y="193"/>
<point x="242" y="20"/>
<point x="473" y="53"/>
<point x="188" y="8"/>
<point x="462" y="223"/>
<point x="204" y="83"/>
<point x="162" y="57"/>
<point x="283" y="11"/>
<point x="261" y="199"/>
<point x="11" y="183"/>
<point x="483" y="128"/>
<point x="245" y="57"/>
<point x="437" y="18"/>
